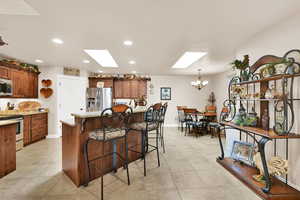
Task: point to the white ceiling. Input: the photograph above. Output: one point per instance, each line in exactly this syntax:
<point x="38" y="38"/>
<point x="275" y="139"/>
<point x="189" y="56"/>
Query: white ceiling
<point x="16" y="7"/>
<point x="162" y="30"/>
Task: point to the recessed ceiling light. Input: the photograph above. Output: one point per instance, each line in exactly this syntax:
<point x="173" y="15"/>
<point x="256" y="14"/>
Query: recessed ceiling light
<point x="57" y="41"/>
<point x="134" y="72"/>
<point x="100" y="71"/>
<point x="39" y="61"/>
<point x="102" y="57"/>
<point x="86" y="61"/>
<point x="188" y="58"/>
<point x="132" y="62"/>
<point x="128" y="43"/>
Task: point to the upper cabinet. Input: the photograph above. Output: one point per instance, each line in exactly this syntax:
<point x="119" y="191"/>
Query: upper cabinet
<point x="33" y="89"/>
<point x="130" y="89"/>
<point x="123" y="88"/>
<point x="4" y="72"/>
<point x="19" y="80"/>
<point x="24" y="83"/>
<point x="108" y="82"/>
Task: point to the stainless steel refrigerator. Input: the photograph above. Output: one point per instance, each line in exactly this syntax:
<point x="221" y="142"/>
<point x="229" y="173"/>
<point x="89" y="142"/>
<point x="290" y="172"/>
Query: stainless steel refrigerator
<point x="98" y="99"/>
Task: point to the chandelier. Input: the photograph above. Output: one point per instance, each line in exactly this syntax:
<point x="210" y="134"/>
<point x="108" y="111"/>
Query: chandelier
<point x="199" y="84"/>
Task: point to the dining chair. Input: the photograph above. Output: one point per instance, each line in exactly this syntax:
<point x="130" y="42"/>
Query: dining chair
<point x="214" y="127"/>
<point x="181" y="118"/>
<point x="190" y="118"/>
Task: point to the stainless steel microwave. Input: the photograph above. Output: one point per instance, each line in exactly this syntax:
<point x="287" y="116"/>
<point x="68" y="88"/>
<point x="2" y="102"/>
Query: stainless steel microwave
<point x="5" y="87"/>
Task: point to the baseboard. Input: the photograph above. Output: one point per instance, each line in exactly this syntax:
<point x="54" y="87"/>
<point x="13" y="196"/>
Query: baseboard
<point x="52" y="136"/>
<point x="171" y="125"/>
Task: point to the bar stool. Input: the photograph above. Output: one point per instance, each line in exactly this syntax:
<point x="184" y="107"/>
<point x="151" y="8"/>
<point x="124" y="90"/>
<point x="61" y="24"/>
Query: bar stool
<point x="150" y="123"/>
<point x="114" y="122"/>
<point x="161" y="125"/>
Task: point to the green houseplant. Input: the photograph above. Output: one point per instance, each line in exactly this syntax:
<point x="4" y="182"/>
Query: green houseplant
<point x="243" y="66"/>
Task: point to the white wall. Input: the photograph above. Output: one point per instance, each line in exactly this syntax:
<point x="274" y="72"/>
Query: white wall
<point x="275" y="40"/>
<point x="183" y="94"/>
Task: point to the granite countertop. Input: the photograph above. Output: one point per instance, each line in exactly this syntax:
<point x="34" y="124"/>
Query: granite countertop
<point x="22" y="112"/>
<point x="98" y="114"/>
<point x="69" y="121"/>
<point x="8" y="122"/>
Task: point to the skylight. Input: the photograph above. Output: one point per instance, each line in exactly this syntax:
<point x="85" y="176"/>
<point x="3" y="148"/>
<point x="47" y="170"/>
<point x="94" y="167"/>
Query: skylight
<point x="102" y="57"/>
<point x="188" y="58"/>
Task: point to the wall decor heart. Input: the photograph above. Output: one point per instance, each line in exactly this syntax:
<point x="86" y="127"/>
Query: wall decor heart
<point x="46" y="92"/>
<point x="46" y="82"/>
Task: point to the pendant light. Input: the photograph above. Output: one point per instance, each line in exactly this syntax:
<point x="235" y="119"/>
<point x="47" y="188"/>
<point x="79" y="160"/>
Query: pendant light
<point x="199" y="84"/>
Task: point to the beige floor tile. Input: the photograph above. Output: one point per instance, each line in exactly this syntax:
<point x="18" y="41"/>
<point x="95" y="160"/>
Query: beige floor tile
<point x="188" y="171"/>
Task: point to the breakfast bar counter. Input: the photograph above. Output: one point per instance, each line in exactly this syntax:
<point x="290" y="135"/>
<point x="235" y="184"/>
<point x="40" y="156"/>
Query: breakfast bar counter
<point x="75" y="134"/>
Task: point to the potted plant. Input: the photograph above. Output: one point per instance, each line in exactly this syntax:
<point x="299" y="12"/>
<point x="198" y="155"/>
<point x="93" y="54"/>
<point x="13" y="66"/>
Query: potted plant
<point x="243" y="67"/>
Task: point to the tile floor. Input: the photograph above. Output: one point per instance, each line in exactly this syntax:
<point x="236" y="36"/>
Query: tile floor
<point x="188" y="172"/>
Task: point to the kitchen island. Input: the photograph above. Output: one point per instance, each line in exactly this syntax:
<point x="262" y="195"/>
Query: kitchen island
<point x="75" y="134"/>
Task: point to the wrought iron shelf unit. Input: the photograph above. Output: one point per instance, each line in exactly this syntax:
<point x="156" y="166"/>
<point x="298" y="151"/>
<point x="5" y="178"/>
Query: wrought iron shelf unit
<point x="260" y="132"/>
<point x="284" y="118"/>
<point x="272" y="78"/>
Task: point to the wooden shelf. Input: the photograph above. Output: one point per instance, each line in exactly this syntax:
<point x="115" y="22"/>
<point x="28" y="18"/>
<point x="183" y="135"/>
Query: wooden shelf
<point x="258" y="131"/>
<point x="279" y="190"/>
<point x="273" y="78"/>
<point x="263" y="99"/>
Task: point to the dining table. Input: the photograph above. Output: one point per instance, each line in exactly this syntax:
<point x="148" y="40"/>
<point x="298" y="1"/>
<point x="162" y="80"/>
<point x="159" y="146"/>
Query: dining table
<point x="206" y="117"/>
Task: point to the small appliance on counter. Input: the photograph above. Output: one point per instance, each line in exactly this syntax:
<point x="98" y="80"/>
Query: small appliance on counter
<point x="19" y="130"/>
<point x="98" y="99"/>
<point x="5" y="87"/>
<point x="42" y="109"/>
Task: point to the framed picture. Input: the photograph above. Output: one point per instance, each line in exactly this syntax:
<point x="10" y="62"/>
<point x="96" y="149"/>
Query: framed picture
<point x="165" y="93"/>
<point x="243" y="151"/>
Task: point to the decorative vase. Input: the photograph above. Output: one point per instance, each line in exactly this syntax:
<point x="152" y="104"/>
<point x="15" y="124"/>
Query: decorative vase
<point x="244" y="75"/>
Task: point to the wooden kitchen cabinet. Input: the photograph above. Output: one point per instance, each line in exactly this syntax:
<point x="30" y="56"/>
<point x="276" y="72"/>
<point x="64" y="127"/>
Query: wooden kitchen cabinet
<point x="7" y="149"/>
<point x="4" y="73"/>
<point x="142" y="88"/>
<point x="24" y="83"/>
<point x="108" y="82"/>
<point x="126" y="89"/>
<point x="35" y="127"/>
<point x="123" y="88"/>
<point x="118" y="89"/>
<point x="130" y="89"/>
<point x="27" y="129"/>
<point x="33" y="86"/>
<point x="134" y="89"/>
<point x="19" y="83"/>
